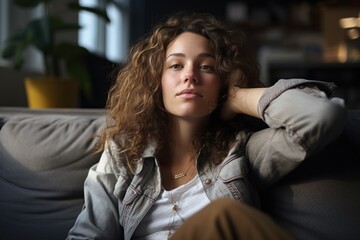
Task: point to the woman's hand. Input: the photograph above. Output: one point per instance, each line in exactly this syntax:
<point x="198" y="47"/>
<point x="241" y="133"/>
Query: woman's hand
<point x="241" y="100"/>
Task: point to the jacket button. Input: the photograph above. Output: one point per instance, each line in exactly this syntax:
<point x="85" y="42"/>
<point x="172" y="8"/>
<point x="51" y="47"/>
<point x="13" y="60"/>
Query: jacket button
<point x="207" y="181"/>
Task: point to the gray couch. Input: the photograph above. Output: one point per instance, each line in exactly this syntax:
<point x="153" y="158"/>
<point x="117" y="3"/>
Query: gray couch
<point x="45" y="156"/>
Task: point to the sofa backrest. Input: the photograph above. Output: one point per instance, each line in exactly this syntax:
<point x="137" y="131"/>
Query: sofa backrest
<point x="45" y="156"/>
<point x="44" y="159"/>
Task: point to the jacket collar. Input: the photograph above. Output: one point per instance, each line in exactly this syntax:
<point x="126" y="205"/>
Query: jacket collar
<point x="149" y="152"/>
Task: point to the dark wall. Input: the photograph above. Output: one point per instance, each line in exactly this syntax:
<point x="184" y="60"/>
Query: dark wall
<point x="144" y="14"/>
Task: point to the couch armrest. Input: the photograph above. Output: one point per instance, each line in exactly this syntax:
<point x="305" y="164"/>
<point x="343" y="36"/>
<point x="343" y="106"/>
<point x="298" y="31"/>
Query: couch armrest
<point x="320" y="199"/>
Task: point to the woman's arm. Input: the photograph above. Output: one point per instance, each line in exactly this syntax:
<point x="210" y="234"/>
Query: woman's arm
<point x="301" y="120"/>
<point x="242" y="100"/>
<point x="99" y="216"/>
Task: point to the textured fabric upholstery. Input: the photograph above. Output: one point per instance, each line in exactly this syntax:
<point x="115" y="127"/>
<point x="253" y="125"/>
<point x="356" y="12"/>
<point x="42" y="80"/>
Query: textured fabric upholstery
<point x="44" y="159"/>
<point x="45" y="156"/>
<point x="321" y="198"/>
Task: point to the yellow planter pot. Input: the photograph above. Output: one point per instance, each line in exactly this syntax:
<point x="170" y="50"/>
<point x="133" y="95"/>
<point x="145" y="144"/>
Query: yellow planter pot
<point x="51" y="93"/>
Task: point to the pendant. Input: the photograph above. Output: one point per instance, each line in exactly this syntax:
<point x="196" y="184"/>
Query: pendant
<point x="175" y="207"/>
<point x="180" y="175"/>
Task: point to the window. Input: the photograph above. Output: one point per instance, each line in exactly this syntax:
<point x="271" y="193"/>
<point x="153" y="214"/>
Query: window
<point x="109" y="40"/>
<point x="4" y="22"/>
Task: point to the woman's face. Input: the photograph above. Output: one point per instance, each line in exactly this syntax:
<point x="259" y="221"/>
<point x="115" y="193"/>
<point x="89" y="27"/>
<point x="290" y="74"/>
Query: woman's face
<point x="190" y="84"/>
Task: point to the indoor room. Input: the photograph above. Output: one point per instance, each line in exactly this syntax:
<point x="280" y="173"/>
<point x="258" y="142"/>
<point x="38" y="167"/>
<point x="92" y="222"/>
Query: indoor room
<point x="160" y="119"/>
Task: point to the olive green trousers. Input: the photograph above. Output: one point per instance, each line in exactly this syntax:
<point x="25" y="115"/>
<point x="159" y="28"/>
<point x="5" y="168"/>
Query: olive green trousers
<point x="226" y="219"/>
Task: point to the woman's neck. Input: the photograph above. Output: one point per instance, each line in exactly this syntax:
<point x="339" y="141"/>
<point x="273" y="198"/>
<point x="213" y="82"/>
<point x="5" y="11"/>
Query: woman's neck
<point x="183" y="131"/>
<point x="178" y="157"/>
<point x="181" y="140"/>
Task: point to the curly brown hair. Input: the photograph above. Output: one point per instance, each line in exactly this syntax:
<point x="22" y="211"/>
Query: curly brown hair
<point x="136" y="110"/>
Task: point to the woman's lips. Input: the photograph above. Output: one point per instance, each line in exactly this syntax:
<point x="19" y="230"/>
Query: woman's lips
<point x="189" y="94"/>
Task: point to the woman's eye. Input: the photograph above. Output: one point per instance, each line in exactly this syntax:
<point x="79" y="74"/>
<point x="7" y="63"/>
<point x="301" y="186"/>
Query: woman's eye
<point x="207" y="68"/>
<point x="175" y="66"/>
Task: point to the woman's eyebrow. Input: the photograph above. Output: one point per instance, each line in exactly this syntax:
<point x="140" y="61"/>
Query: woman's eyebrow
<point x="205" y="54"/>
<point x="176" y="55"/>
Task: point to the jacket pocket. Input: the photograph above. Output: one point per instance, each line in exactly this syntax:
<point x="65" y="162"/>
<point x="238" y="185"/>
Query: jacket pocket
<point x="233" y="175"/>
<point x="124" y="191"/>
<point x="126" y="195"/>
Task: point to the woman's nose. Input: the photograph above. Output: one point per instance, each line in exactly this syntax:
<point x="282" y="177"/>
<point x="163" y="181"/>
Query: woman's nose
<point x="191" y="76"/>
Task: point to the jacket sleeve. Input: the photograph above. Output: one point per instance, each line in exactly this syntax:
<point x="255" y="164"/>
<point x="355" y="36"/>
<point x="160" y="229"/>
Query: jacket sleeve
<point x="99" y="216"/>
<point x="301" y="119"/>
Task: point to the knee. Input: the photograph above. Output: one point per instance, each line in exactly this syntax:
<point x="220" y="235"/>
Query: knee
<point x="230" y="209"/>
<point x="226" y="204"/>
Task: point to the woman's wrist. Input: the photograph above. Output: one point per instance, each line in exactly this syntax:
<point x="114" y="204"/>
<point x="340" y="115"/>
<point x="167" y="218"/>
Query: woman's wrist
<point x="245" y="100"/>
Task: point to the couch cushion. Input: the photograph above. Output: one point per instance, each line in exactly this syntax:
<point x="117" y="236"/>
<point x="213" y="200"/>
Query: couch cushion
<point x="44" y="159"/>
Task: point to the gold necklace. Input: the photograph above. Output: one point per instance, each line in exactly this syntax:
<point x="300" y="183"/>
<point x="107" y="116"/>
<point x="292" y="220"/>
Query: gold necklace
<point x="183" y="174"/>
<point x="176" y="206"/>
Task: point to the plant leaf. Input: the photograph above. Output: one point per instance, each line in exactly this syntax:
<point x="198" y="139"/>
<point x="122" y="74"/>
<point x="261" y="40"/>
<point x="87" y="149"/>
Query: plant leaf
<point x="44" y="29"/>
<point x="11" y="44"/>
<point x="95" y="10"/>
<point x="15" y="47"/>
<point x="43" y="33"/>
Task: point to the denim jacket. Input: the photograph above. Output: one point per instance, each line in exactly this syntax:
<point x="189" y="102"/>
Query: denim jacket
<point x="301" y="120"/>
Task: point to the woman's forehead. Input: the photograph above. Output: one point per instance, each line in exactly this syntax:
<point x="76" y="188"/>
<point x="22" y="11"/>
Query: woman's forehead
<point x="189" y="43"/>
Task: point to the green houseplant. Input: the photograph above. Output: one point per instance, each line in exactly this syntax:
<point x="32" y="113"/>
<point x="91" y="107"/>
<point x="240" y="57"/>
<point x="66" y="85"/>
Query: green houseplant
<point x="62" y="60"/>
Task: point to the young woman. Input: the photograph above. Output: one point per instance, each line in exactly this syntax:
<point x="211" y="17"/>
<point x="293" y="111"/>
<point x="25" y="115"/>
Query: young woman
<point x="180" y="133"/>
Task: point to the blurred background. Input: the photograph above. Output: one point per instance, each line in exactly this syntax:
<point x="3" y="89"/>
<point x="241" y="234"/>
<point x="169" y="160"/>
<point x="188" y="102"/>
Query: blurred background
<point x="292" y="39"/>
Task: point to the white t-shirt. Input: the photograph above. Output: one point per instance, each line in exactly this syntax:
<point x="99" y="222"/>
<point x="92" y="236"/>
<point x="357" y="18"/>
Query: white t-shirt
<point x="161" y="219"/>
